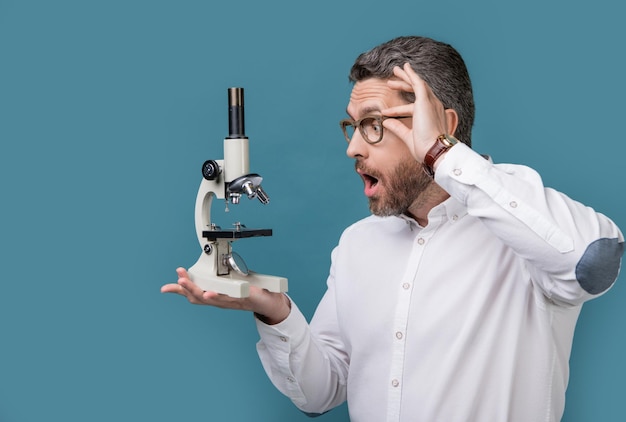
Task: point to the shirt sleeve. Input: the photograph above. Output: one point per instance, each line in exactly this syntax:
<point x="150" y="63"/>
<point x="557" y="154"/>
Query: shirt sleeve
<point x="310" y="369"/>
<point x="573" y="252"/>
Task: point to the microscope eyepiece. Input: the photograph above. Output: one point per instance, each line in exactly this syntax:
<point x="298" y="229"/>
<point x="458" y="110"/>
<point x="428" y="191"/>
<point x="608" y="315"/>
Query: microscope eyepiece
<point x="236" y="125"/>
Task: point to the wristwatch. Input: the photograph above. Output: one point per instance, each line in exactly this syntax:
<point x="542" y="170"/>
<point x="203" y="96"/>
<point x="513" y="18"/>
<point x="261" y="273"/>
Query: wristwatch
<point x="442" y="144"/>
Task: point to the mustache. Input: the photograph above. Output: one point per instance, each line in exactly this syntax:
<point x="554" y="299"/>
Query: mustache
<point x="359" y="165"/>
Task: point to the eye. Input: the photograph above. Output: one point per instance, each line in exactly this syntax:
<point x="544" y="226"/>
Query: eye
<point x="372" y="126"/>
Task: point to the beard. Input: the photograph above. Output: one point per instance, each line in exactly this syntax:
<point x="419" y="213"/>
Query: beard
<point x="401" y="188"/>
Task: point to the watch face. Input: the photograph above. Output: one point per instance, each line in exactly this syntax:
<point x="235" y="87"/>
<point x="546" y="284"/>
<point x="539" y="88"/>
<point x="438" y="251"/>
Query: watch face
<point x="449" y="140"/>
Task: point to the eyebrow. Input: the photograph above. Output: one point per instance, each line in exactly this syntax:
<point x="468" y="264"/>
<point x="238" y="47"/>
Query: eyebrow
<point x="367" y="110"/>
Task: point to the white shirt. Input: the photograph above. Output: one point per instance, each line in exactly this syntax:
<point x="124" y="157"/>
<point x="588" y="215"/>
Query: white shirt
<point x="470" y="318"/>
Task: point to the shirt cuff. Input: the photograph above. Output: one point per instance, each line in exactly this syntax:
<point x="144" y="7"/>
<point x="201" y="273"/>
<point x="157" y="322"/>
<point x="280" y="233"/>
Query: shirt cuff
<point x="290" y="332"/>
<point x="460" y="169"/>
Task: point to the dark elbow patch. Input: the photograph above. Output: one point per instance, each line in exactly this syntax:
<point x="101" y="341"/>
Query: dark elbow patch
<point x="313" y="415"/>
<point x="598" y="268"/>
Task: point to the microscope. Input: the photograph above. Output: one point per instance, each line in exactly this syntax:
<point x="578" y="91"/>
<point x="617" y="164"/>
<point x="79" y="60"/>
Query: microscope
<point x="219" y="268"/>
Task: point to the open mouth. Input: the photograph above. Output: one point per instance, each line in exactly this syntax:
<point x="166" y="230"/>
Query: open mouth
<point x="370" y="178"/>
<point x="370" y="183"/>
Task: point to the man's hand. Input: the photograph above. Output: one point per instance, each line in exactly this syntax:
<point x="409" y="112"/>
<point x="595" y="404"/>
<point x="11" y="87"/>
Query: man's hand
<point x="430" y="119"/>
<point x="271" y="308"/>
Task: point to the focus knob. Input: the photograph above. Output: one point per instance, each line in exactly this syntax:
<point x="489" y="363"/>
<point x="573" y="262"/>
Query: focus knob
<point x="210" y="170"/>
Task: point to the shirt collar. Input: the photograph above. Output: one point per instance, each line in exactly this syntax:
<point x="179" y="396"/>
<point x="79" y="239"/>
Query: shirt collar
<point x="451" y="209"/>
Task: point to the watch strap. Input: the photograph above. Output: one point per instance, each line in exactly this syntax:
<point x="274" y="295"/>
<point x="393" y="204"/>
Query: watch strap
<point x="442" y="144"/>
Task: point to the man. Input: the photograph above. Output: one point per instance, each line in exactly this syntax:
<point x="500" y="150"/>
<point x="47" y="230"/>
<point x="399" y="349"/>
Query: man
<point x="457" y="300"/>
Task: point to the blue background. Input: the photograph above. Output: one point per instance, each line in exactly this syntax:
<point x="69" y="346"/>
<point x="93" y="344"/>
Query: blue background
<point x="108" y="109"/>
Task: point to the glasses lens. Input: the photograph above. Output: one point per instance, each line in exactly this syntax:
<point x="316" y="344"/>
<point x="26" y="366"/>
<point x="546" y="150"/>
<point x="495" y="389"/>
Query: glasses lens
<point x="372" y="129"/>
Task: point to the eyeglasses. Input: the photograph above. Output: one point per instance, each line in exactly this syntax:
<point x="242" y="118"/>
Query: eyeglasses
<point x="371" y="127"/>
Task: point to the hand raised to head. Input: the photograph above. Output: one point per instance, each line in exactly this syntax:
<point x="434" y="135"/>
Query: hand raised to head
<point x="430" y="118"/>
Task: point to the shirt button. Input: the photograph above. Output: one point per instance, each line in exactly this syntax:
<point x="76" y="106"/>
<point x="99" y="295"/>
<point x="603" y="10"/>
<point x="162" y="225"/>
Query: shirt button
<point x="399" y="335"/>
<point x="457" y="172"/>
<point x="290" y="379"/>
<point x="283" y="339"/>
<point x="421" y="241"/>
<point x="513" y="204"/>
<point x="406" y="286"/>
<point x="395" y="383"/>
<point x="455" y="217"/>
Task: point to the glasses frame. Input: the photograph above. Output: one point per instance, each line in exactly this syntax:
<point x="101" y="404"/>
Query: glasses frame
<point x="357" y="124"/>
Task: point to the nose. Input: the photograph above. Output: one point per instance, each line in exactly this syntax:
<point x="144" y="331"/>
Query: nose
<point x="357" y="147"/>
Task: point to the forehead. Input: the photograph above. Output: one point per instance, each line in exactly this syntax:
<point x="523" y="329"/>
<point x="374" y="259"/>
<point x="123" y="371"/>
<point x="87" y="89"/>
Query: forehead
<point x="372" y="95"/>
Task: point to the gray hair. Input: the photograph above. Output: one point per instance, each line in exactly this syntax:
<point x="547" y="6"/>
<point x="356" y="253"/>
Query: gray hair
<point x="439" y="64"/>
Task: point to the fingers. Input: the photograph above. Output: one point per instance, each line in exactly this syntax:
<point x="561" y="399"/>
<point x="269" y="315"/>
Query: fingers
<point x="195" y="295"/>
<point x="409" y="81"/>
<point x="429" y="117"/>
<point x="182" y="273"/>
<point x="184" y="287"/>
<point x="178" y="287"/>
<point x="189" y="286"/>
<point x="401" y="110"/>
<point x="397" y="127"/>
<point x="170" y="288"/>
<point x="400" y="85"/>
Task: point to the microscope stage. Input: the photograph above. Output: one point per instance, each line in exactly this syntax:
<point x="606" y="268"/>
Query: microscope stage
<point x="235" y="233"/>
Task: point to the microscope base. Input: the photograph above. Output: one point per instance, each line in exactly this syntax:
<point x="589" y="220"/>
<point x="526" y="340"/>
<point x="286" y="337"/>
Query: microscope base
<point x="233" y="284"/>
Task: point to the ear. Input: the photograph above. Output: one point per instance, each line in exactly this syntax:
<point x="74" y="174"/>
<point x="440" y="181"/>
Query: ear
<point x="452" y="120"/>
